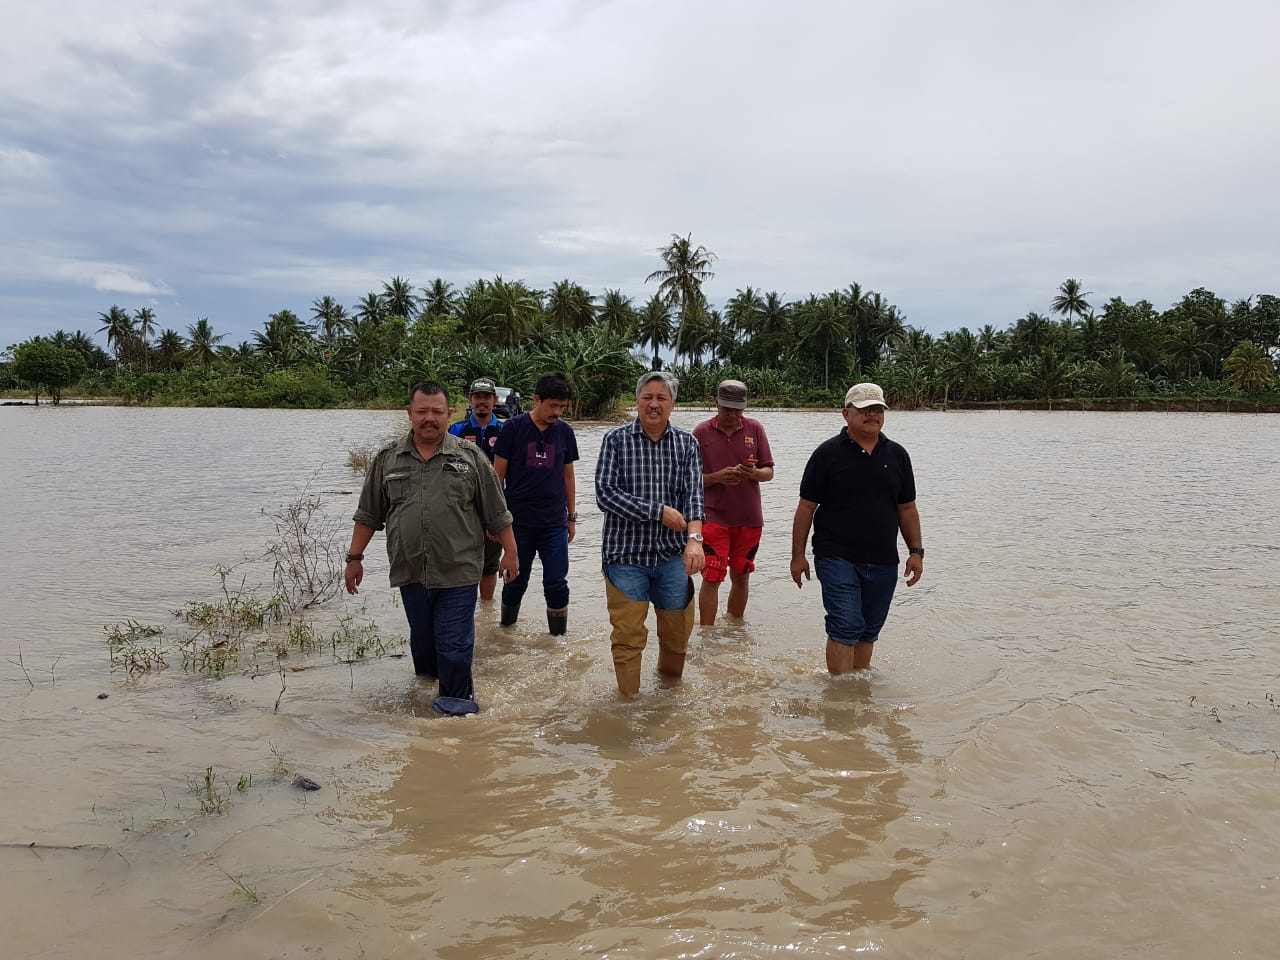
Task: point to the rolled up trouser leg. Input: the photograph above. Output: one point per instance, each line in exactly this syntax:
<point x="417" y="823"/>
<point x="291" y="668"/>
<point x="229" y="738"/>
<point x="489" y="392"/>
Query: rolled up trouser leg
<point x="628" y="637"/>
<point x="674" y="629"/>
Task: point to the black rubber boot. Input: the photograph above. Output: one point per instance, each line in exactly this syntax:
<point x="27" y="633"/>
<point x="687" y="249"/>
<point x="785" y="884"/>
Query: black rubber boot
<point x="509" y="614"/>
<point x="558" y="621"/>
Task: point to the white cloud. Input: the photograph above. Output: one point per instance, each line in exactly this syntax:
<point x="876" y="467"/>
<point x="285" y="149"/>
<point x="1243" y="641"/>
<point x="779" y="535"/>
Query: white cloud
<point x="114" y="280"/>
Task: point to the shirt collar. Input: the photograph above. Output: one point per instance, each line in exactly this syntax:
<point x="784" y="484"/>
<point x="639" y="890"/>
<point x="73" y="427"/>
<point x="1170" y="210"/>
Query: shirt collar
<point x="449" y="444"/>
<point x="638" y="428"/>
<point x="715" y="425"/>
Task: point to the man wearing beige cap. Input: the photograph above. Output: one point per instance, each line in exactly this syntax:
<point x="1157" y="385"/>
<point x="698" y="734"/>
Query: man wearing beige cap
<point x="857" y="493"/>
<point x="736" y="459"/>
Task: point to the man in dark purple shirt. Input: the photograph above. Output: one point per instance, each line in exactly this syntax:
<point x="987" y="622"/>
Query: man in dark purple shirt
<point x="534" y="457"/>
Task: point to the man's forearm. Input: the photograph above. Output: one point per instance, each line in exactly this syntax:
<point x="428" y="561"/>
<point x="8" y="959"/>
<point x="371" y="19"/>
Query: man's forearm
<point x="800" y="527"/>
<point x="360" y="537"/>
<point x="909" y="524"/>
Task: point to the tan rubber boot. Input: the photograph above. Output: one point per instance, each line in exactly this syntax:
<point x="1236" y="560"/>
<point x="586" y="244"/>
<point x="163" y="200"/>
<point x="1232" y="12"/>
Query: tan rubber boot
<point x="628" y="637"/>
<point x="674" y="629"/>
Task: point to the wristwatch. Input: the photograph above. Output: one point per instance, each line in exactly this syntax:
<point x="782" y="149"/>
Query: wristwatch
<point x="696" y="537"/>
<point x="918" y="551"/>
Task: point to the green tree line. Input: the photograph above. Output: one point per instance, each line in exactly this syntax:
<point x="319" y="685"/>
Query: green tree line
<point x="789" y="351"/>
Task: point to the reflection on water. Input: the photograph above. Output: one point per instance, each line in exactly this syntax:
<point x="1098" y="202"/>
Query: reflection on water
<point x="1073" y="716"/>
<point x="710" y="815"/>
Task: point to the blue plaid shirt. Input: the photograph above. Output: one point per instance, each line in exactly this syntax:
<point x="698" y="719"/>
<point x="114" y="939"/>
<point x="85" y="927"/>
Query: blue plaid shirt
<point x="635" y="478"/>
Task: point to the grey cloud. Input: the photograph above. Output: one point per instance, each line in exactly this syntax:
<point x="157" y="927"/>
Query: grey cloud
<point x="961" y="159"/>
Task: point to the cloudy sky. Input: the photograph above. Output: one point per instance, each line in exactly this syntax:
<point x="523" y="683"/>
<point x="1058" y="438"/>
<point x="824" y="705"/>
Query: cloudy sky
<point x="230" y="159"/>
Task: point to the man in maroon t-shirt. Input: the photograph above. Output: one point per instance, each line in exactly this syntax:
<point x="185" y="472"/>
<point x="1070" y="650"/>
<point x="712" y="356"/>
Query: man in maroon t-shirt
<point x="735" y="460"/>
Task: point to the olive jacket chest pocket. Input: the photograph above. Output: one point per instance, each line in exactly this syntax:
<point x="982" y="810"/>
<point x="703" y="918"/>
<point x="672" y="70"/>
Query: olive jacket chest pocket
<point x="397" y="486"/>
<point x="460" y="480"/>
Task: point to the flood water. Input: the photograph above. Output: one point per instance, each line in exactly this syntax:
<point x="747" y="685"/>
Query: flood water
<point x="1067" y="747"/>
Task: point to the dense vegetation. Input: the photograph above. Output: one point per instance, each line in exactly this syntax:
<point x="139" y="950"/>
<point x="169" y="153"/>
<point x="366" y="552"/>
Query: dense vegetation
<point x="804" y="351"/>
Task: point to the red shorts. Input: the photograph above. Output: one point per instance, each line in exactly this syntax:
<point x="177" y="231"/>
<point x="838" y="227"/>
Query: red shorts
<point x="728" y="547"/>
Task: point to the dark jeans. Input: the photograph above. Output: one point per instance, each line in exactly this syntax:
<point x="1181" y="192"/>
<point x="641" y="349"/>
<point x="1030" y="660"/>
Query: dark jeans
<point x="856" y="597"/>
<point x="442" y="634"/>
<point x="551" y="544"/>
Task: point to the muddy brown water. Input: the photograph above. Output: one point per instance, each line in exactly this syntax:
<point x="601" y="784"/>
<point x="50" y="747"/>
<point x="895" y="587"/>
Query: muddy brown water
<point x="1068" y="745"/>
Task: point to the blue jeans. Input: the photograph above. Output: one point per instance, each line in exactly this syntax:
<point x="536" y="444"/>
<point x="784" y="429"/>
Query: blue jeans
<point x="442" y="634"/>
<point x="856" y="597"/>
<point x="665" y="583"/>
<point x="552" y="545"/>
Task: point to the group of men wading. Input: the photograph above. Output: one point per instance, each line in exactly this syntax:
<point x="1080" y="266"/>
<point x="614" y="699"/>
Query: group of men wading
<point x="467" y="503"/>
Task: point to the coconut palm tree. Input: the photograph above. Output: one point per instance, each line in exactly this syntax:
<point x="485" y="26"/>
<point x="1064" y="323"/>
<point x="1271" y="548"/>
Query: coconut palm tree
<point x="144" y="322"/>
<point x="1090" y="330"/>
<point x="121" y="335"/>
<point x="1249" y="368"/>
<point x="1070" y="303"/>
<point x="1186" y="349"/>
<point x="1048" y="374"/>
<point x="962" y="364"/>
<point x="1033" y="333"/>
<point x="371" y="307"/>
<point x="475" y="312"/>
<point x="653" y="327"/>
<point x="881" y="327"/>
<point x="617" y="315"/>
<point x="570" y="306"/>
<point x="330" y="318"/>
<point x="681" y="278"/>
<point x="823" y="326"/>
<point x="439" y="299"/>
<point x="722" y="336"/>
<point x="169" y="349"/>
<point x="771" y="337"/>
<point x="514" y="308"/>
<point x="1219" y="328"/>
<point x="989" y="339"/>
<point x="284" y="339"/>
<point x="202" y="342"/>
<point x="94" y="355"/>
<point x="917" y="349"/>
<point x="1116" y="375"/>
<point x="398" y="298"/>
<point x="743" y="310"/>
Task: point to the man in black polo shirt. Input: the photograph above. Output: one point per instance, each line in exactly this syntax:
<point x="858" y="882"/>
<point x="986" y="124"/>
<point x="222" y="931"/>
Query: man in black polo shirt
<point x="481" y="427"/>
<point x="857" y="492"/>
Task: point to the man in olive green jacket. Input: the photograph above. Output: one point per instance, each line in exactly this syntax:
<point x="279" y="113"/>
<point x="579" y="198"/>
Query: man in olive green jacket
<point x="436" y="496"/>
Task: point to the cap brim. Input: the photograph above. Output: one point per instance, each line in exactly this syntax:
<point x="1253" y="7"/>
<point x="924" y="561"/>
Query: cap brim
<point x="863" y="404"/>
<point x="731" y="404"/>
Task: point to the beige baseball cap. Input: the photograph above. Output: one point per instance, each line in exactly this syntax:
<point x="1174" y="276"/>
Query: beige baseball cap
<point x="865" y="395"/>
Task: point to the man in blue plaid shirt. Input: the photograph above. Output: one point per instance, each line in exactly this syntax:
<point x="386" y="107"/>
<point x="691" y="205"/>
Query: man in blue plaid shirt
<point x="649" y="485"/>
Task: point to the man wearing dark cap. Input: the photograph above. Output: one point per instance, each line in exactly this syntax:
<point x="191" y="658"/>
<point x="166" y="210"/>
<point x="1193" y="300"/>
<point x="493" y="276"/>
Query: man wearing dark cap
<point x="857" y="494"/>
<point x="482" y="427"/>
<point x="735" y="460"/>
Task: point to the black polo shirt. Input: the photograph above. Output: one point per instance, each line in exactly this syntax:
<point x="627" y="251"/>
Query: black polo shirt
<point x="857" y="495"/>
